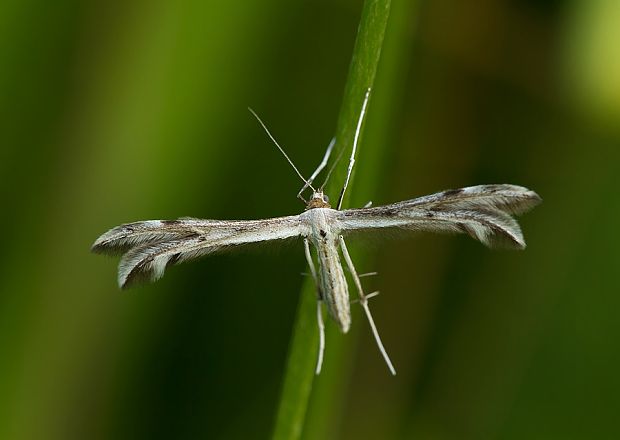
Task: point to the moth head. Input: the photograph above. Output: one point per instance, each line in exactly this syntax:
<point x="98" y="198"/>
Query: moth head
<point x="318" y="200"/>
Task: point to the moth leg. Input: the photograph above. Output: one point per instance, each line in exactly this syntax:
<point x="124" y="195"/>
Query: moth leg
<point x="370" y="295"/>
<point x="364" y="303"/>
<point x="322" y="165"/>
<point x="319" y="311"/>
<point x="319" y="320"/>
<point x="358" y="130"/>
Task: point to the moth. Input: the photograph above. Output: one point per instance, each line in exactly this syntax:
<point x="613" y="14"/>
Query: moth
<point x="484" y="212"/>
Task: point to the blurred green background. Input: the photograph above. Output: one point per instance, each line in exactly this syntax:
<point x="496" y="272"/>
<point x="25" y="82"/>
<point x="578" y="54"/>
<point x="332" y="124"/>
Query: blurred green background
<point x="120" y="111"/>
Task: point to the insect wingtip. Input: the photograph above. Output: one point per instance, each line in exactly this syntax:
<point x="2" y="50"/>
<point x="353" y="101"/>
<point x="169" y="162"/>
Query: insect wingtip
<point x="537" y="198"/>
<point x="533" y="195"/>
<point x="125" y="280"/>
<point x="533" y="199"/>
<point x="513" y="243"/>
<point x="122" y="284"/>
<point x="98" y="247"/>
<point x="107" y="243"/>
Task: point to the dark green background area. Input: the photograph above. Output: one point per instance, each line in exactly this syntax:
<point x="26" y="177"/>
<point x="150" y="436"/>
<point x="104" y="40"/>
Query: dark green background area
<point x="121" y="111"/>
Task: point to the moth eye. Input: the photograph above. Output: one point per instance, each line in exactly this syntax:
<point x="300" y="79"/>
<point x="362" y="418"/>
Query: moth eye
<point x="325" y="198"/>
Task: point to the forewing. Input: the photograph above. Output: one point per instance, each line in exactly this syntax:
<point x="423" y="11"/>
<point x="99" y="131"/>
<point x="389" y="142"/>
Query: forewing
<point x="484" y="212"/>
<point x="149" y="247"/>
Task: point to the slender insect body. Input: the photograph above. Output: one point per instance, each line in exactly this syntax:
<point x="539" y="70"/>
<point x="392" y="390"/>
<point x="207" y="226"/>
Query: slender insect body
<point x="333" y="283"/>
<point x="333" y="288"/>
<point x="485" y="212"/>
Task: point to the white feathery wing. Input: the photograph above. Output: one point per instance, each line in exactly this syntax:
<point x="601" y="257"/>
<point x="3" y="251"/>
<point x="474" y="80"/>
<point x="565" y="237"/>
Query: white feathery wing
<point x="148" y="247"/>
<point x="484" y="212"/>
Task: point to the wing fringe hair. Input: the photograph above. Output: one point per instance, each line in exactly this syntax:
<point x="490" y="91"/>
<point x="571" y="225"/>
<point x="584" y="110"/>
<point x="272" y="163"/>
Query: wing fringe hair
<point x="484" y="212"/>
<point x="149" y="247"/>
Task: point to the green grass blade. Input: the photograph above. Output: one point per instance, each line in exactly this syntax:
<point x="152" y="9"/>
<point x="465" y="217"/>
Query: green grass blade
<point x="299" y="373"/>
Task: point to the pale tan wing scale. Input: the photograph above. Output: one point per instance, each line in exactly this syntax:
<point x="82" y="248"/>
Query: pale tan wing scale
<point x="148" y="247"/>
<point x="485" y="212"/>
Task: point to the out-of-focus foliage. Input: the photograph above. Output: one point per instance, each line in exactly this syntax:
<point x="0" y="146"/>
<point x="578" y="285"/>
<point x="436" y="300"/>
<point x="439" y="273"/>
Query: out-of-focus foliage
<point x="121" y="111"/>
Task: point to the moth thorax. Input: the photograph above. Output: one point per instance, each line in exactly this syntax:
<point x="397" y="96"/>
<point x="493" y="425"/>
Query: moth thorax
<point x="318" y="200"/>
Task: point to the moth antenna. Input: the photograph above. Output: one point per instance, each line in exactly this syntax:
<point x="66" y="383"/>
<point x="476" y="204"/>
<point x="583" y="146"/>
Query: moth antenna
<point x="280" y="148"/>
